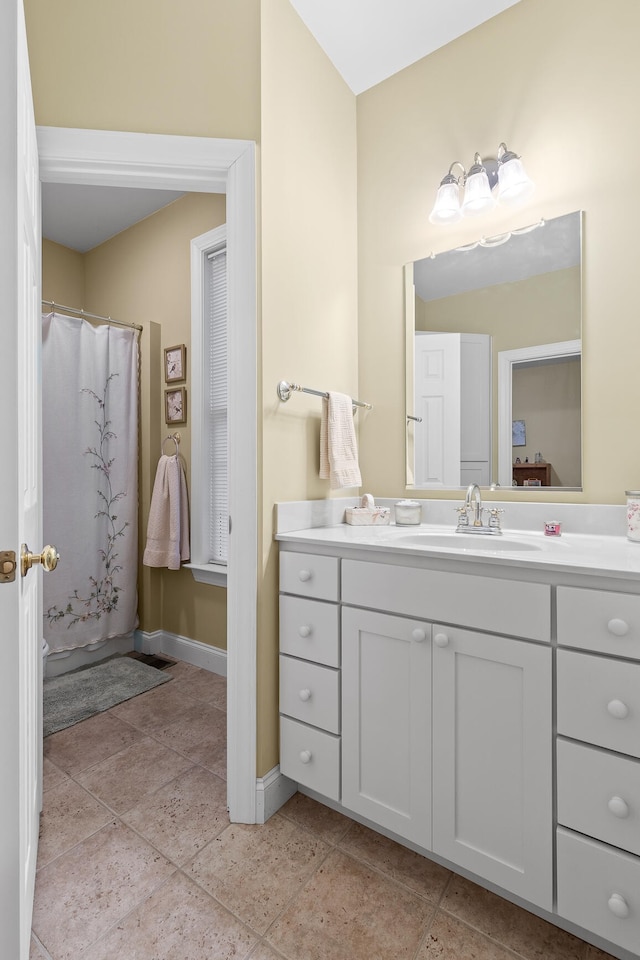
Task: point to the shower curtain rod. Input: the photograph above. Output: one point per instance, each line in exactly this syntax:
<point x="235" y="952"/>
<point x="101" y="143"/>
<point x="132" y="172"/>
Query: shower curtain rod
<point x="91" y="316"/>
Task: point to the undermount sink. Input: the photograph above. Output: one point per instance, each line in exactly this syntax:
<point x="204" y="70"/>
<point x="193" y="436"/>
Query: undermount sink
<point x="467" y="541"/>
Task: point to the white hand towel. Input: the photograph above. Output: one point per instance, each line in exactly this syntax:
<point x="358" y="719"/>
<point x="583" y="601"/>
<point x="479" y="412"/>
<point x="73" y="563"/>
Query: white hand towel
<point x="168" y="524"/>
<point x="338" y="446"/>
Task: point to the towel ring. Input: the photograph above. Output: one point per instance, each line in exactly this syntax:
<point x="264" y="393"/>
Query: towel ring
<point x="176" y="439"/>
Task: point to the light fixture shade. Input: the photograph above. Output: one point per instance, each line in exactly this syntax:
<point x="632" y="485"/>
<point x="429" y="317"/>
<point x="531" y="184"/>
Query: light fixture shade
<point x="446" y="209"/>
<point x="477" y="194"/>
<point x="514" y="184"/>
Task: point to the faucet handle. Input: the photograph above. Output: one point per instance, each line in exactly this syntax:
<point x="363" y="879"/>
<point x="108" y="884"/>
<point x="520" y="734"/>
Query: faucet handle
<point x="463" y="516"/>
<point x="494" y="516"/>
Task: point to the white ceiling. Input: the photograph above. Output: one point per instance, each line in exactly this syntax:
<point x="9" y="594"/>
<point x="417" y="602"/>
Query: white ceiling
<point x="366" y="40"/>
<point x="370" y="40"/>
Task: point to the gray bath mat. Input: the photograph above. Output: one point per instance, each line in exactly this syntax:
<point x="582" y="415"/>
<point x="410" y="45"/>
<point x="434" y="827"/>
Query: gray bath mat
<point x="78" y="695"/>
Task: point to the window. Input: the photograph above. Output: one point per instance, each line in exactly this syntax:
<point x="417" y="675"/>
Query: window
<point x="209" y="393"/>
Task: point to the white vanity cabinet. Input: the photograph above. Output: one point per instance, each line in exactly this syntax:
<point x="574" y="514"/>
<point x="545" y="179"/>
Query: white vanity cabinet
<point x="598" y="760"/>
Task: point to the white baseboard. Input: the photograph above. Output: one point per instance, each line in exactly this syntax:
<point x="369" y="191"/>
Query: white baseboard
<point x="182" y="648"/>
<point x="272" y="792"/>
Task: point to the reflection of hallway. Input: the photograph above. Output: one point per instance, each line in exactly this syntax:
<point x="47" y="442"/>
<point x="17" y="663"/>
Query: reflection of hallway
<point x="138" y="860"/>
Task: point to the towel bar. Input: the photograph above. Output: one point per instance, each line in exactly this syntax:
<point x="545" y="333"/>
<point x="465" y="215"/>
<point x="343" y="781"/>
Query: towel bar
<point x="285" y="389"/>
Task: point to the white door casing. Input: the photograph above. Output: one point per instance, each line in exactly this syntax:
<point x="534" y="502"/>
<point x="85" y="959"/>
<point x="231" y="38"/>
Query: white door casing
<point x="114" y="158"/>
<point x="20" y="484"/>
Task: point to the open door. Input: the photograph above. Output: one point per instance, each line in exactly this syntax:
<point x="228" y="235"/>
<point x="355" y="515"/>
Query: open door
<point x="20" y="483"/>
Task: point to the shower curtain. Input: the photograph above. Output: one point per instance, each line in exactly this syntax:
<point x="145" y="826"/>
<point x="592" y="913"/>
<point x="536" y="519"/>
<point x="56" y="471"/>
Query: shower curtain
<point x="90" y="473"/>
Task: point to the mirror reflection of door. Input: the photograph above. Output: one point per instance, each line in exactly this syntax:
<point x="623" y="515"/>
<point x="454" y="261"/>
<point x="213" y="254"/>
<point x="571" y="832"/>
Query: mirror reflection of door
<point x="452" y="382"/>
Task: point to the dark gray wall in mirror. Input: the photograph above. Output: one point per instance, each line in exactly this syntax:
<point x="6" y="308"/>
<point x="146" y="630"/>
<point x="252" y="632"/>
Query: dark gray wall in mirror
<point x="522" y="290"/>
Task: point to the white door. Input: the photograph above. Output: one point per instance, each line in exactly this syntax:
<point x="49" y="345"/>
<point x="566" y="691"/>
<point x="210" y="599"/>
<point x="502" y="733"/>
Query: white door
<point x="492" y="736"/>
<point x="20" y="520"/>
<point x="386" y="721"/>
<point x="437" y="402"/>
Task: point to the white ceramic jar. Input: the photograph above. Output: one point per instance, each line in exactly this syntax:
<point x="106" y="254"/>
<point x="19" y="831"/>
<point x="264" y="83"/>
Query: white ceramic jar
<point x="633" y="514"/>
<point x="408" y="512"/>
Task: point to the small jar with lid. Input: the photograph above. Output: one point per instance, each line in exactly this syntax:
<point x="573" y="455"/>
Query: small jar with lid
<point x="408" y="512"/>
<point x="633" y="515"/>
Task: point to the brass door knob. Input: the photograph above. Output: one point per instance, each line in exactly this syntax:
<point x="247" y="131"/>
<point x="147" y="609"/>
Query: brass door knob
<point x="48" y="558"/>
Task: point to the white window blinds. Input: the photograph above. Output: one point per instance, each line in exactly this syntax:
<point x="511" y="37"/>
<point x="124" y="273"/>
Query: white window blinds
<point x="216" y="432"/>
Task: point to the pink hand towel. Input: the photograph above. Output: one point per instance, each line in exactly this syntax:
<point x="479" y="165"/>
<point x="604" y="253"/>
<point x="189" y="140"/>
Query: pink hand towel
<point x="168" y="525"/>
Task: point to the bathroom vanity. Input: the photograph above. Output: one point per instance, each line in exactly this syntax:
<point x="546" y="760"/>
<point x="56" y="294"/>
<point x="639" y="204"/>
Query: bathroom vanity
<point x="477" y="699"/>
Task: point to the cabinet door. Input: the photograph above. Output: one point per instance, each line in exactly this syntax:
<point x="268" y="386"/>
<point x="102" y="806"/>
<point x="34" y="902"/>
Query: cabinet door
<point x="492" y="735"/>
<point x="386" y="719"/>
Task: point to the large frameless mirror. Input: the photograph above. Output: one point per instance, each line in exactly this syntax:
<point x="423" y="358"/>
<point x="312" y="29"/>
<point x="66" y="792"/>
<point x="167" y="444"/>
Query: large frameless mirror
<point x="493" y="371"/>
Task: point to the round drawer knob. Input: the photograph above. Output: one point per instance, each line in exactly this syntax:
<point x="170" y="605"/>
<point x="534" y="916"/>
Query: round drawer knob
<point x="618" y="709"/>
<point x="304" y="575"/>
<point x="305" y="695"/>
<point x="419" y="634"/>
<point x="304" y="630"/>
<point x="618" y="807"/>
<point x="441" y="639"/>
<point x="618" y="906"/>
<point x="619" y="628"/>
<point x="305" y="756"/>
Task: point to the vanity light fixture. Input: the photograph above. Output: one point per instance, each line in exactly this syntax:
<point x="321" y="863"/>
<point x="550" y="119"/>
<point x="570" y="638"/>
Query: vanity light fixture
<point x="487" y="182"/>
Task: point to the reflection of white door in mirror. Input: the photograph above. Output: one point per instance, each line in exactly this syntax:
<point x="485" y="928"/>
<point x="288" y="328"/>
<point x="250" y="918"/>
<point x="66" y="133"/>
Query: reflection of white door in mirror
<point x="452" y="383"/>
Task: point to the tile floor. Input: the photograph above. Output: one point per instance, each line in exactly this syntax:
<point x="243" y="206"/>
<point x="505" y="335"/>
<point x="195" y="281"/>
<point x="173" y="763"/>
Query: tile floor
<point x="138" y="860"/>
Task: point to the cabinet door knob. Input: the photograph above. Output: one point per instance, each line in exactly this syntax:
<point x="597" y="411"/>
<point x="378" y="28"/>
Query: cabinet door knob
<point x="619" y="628"/>
<point x="618" y="709"/>
<point x="304" y="575"/>
<point x="304" y="630"/>
<point x="441" y="639"/>
<point x="618" y="906"/>
<point x="305" y="756"/>
<point x="305" y="694"/>
<point x="618" y="807"/>
<point x="419" y="634"/>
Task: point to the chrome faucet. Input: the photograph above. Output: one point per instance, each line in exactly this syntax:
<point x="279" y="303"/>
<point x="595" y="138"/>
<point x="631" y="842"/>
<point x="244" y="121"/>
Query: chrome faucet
<point x="473" y="503"/>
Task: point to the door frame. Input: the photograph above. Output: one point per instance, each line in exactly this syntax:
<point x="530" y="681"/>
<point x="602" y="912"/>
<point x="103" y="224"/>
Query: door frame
<point x="204" y="165"/>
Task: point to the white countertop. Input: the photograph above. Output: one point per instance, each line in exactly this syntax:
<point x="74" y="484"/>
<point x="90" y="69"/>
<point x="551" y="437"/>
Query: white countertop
<point x="612" y="556"/>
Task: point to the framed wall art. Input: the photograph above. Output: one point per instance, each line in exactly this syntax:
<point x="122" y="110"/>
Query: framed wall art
<point x="175" y="405"/>
<point x="175" y="366"/>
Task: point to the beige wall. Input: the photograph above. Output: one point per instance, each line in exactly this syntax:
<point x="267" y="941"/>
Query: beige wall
<point x="309" y="290"/>
<point x="557" y="82"/>
<point x="152" y="66"/>
<point x="62" y="274"/>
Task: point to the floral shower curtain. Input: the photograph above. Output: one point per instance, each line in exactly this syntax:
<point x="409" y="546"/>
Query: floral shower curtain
<point x="90" y="469"/>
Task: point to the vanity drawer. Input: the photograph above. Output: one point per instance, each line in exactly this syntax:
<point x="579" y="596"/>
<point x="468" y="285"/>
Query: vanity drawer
<point x="309" y="629"/>
<point x="310" y="692"/>
<point x="498" y="606"/>
<point x="309" y="575"/>
<point x="599" y="701"/>
<point x="599" y="620"/>
<point x="599" y="794"/>
<point x="310" y="757"/>
<point x="599" y="889"/>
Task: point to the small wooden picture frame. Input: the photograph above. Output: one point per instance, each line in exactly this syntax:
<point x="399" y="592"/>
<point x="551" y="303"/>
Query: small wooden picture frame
<point x="175" y="363"/>
<point x="175" y="405"/>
